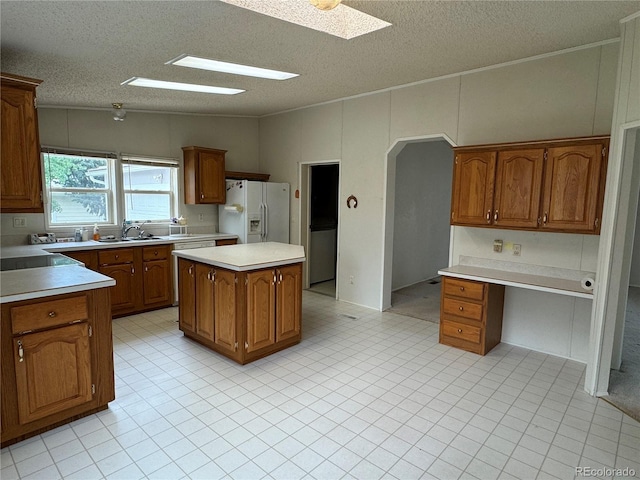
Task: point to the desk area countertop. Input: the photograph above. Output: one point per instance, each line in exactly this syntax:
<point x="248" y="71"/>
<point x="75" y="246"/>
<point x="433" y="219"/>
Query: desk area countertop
<point x="244" y="257"/>
<point x="511" y="274"/>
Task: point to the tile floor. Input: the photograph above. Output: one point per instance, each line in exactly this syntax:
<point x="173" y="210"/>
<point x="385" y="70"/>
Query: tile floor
<point x="365" y="395"/>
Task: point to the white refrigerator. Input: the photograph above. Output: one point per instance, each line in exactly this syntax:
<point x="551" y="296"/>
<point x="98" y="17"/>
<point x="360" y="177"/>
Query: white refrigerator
<point x="255" y="211"/>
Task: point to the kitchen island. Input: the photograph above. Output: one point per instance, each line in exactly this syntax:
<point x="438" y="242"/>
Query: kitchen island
<point x="242" y="301"/>
<point x="56" y="347"/>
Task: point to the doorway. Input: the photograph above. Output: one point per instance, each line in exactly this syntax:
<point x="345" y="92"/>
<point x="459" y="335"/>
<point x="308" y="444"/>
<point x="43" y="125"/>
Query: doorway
<point x="624" y="379"/>
<point x="417" y="227"/>
<point x="320" y="225"/>
<point x="421" y="230"/>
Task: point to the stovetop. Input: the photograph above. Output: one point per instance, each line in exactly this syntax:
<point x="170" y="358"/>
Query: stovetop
<point x="36" y="261"/>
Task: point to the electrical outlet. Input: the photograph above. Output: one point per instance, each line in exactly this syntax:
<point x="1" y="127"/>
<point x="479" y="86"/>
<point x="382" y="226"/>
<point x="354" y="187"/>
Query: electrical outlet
<point x="351" y="279"/>
<point x="19" y="222"/>
<point x="517" y="249"/>
<point x="497" y="246"/>
<point x="201" y="217"/>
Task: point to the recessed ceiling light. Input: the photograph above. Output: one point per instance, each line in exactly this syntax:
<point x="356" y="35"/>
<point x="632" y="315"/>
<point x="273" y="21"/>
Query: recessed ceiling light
<point x="342" y="21"/>
<point x="187" y="87"/>
<point x="225" y="67"/>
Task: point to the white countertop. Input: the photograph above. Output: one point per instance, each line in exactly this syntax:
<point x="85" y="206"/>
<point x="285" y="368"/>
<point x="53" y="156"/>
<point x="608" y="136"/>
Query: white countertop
<point x="245" y="257"/>
<point x="511" y="274"/>
<point x="30" y="283"/>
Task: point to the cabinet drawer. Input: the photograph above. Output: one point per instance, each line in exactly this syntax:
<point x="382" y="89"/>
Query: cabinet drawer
<point x="460" y="331"/>
<point x="226" y="241"/>
<point x="48" y="314"/>
<point x="460" y="308"/>
<point x="155" y="253"/>
<point x="464" y="288"/>
<point x="116" y="256"/>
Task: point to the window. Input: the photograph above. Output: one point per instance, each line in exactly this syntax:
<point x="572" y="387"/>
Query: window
<point x="80" y="187"/>
<point x="149" y="188"/>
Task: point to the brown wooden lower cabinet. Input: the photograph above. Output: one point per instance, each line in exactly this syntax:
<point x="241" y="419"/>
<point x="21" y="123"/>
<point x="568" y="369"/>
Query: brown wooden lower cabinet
<point x="143" y="276"/>
<point x="242" y="315"/>
<point x="471" y="314"/>
<point x="57" y="361"/>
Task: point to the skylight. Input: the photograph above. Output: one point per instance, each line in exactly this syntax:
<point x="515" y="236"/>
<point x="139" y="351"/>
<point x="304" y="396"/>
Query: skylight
<point x="342" y="21"/>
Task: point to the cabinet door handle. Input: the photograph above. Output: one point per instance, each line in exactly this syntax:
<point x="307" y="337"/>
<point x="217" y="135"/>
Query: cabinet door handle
<point x="191" y="270"/>
<point x="133" y="270"/>
<point x="545" y="218"/>
<point x="201" y="195"/>
<point x="146" y="269"/>
<point x="52" y="314"/>
<point x="495" y="216"/>
<point x="281" y="278"/>
<point x="155" y="253"/>
<point x="274" y="278"/>
<point x="20" y="351"/>
<point x="488" y="216"/>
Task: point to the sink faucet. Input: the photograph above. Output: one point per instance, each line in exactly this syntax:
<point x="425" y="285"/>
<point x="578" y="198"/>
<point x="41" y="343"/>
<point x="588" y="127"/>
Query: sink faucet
<point x="126" y="228"/>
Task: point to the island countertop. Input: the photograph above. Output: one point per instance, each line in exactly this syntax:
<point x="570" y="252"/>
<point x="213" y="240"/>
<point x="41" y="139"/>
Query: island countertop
<point x="244" y="257"/>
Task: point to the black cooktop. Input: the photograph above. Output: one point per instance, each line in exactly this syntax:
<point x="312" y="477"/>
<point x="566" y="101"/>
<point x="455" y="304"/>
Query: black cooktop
<point x="19" y="263"/>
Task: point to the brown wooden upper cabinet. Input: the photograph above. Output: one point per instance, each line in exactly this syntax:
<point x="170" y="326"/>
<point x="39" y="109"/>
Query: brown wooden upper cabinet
<point x="554" y="185"/>
<point x="204" y="175"/>
<point x="20" y="170"/>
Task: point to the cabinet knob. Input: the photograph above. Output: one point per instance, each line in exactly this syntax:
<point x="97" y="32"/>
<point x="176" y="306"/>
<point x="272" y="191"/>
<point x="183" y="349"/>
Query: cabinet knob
<point x="459" y="330"/>
<point x="461" y="308"/>
<point x="117" y="257"/>
<point x="146" y="269"/>
<point x="202" y="195"/>
<point x="52" y="314"/>
<point x="191" y="270"/>
<point x="155" y="253"/>
<point x="462" y="289"/>
<point x="545" y="217"/>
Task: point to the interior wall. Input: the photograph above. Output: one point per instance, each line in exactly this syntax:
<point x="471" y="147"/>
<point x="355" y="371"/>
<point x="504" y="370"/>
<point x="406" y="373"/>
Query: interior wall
<point x="634" y="277"/>
<point x="621" y="196"/>
<point x="421" y="222"/>
<point x="150" y="134"/>
<point x="563" y="95"/>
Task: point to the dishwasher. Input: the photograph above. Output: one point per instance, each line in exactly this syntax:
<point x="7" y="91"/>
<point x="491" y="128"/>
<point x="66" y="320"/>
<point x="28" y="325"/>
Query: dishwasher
<point x="185" y="246"/>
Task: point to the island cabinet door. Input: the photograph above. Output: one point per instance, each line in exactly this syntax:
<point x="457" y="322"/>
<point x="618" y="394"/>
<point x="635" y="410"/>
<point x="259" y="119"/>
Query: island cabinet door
<point x="53" y="371"/>
<point x="225" y="310"/>
<point x="289" y="302"/>
<point x="261" y="309"/>
<point x="187" y="294"/>
<point x="205" y="301"/>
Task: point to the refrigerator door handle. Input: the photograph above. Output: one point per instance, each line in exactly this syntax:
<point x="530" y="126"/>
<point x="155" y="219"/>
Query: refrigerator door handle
<point x="262" y="215"/>
<point x="266" y="222"/>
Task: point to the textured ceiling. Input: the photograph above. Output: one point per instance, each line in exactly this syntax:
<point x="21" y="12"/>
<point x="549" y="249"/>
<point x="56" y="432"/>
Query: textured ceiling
<point x="84" y="50"/>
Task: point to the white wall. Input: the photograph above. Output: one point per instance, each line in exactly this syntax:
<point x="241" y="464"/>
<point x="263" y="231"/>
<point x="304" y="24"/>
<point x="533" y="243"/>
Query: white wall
<point x="634" y="277"/>
<point x="621" y="200"/>
<point x="421" y="221"/>
<point x="569" y="94"/>
<point x="144" y="134"/>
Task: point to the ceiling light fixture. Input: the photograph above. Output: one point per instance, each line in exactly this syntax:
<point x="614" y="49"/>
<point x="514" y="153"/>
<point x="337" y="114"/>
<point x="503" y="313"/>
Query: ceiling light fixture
<point x="186" y="87"/>
<point x="186" y="60"/>
<point x="341" y="21"/>
<point x="118" y="112"/>
<point x="325" y="4"/>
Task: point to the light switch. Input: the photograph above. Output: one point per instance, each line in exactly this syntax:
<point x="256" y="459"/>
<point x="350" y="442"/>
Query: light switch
<point x="497" y="246"/>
